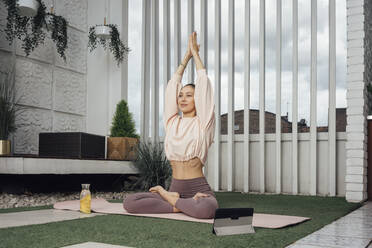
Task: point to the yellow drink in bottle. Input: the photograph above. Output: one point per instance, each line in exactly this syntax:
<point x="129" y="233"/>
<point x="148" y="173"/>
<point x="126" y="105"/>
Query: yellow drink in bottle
<point x="85" y="199"/>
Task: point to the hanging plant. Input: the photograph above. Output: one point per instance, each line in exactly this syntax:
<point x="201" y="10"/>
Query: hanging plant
<point x="58" y="26"/>
<point x="30" y="29"/>
<point x="27" y="29"/>
<point x="115" y="45"/>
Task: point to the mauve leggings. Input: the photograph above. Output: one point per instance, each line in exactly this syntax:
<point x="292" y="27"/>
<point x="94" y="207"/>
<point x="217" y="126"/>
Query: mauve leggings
<point x="202" y="208"/>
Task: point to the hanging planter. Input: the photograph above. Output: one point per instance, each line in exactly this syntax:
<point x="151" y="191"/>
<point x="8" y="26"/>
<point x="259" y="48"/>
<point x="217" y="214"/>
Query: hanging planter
<point x="30" y="30"/>
<point x="27" y="29"/>
<point x="58" y="26"/>
<point x="108" y="36"/>
<point x="28" y="7"/>
<point x="103" y="31"/>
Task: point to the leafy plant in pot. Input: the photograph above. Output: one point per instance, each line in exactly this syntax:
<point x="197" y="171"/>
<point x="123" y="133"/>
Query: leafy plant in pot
<point x="123" y="140"/>
<point x="8" y="110"/>
<point x="108" y="35"/>
<point x="30" y="29"/>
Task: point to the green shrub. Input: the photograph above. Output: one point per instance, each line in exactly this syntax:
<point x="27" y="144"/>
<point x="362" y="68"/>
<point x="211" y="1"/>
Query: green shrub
<point x="153" y="166"/>
<point x="123" y="124"/>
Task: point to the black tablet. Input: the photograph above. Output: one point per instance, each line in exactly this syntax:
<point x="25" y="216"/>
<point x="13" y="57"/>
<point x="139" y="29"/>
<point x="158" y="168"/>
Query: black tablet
<point x="229" y="221"/>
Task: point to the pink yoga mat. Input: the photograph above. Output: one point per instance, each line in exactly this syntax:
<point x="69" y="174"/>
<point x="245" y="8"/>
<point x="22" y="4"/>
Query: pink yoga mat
<point x="100" y="205"/>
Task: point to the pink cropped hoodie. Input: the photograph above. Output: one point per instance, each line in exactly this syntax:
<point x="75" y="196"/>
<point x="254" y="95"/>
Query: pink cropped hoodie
<point x="189" y="137"/>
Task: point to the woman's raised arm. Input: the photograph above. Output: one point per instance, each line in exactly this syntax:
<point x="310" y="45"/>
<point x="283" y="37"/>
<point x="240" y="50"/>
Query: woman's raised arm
<point x="173" y="88"/>
<point x="204" y="99"/>
<point x="204" y="95"/>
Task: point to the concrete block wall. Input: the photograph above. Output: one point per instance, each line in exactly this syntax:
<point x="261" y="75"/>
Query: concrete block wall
<point x="52" y="91"/>
<point x="359" y="62"/>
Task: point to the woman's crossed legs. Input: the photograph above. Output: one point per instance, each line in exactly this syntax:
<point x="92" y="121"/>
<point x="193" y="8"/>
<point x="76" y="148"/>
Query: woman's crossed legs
<point x="149" y="202"/>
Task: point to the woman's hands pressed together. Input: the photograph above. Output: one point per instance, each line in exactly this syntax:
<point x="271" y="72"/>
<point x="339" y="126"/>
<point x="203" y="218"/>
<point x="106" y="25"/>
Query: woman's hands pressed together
<point x="193" y="46"/>
<point x="192" y="51"/>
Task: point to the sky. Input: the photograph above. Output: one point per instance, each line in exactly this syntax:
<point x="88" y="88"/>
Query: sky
<point x="304" y="22"/>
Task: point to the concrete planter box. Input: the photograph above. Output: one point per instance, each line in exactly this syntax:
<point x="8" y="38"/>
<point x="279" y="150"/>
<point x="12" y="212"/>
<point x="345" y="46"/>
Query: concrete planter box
<point x="122" y="148"/>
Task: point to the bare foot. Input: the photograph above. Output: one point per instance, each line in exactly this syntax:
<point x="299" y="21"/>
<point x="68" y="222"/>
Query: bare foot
<point x="156" y="189"/>
<point x="170" y="197"/>
<point x="176" y="210"/>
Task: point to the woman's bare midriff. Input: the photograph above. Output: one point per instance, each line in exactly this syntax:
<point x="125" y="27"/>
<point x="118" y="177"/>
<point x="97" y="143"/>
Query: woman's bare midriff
<point x="187" y="169"/>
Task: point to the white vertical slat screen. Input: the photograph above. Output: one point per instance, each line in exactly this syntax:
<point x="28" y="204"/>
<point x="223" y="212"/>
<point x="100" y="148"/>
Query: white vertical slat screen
<point x="295" y="98"/>
<point x="203" y="41"/>
<point x="190" y="29"/>
<point x="124" y="65"/>
<point x="262" y="94"/>
<point x="247" y="72"/>
<point x="278" y="119"/>
<point x="217" y="94"/>
<point x="107" y="13"/>
<point x="150" y="28"/>
<point x="166" y="46"/>
<point x="155" y="70"/>
<point x="145" y="70"/>
<point x="313" y="93"/>
<point x="204" y="32"/>
<point x="332" y="98"/>
<point x="177" y="33"/>
<point x="231" y="87"/>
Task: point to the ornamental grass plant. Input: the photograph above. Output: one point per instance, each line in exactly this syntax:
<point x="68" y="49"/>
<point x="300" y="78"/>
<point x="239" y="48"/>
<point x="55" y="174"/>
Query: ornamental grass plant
<point x="8" y="104"/>
<point x="153" y="166"/>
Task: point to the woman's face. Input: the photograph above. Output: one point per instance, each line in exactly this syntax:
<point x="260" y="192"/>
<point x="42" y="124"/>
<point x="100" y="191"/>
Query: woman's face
<point x="186" y="99"/>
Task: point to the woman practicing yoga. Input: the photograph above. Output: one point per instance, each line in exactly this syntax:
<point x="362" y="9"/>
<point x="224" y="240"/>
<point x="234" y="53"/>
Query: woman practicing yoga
<point x="186" y="144"/>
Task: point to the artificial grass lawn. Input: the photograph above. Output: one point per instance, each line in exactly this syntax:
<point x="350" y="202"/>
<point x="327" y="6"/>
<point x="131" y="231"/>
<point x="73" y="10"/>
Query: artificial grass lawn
<point x="154" y="232"/>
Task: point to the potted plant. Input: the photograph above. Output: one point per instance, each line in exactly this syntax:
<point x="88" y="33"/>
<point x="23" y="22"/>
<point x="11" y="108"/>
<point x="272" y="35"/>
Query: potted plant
<point x="29" y="29"/>
<point x="108" y="36"/>
<point x="153" y="166"/>
<point x="123" y="140"/>
<point x="8" y="110"/>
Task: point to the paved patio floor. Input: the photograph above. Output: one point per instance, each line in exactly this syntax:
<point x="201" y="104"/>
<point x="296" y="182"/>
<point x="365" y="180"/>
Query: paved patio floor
<point x="39" y="217"/>
<point x="95" y="245"/>
<point x="352" y="230"/>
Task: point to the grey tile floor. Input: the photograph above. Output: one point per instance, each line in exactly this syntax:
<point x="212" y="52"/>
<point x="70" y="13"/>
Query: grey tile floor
<point x="39" y="217"/>
<point x="352" y="230"/>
